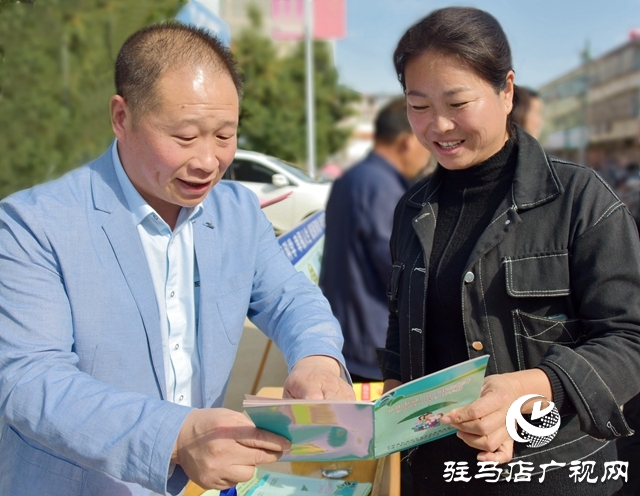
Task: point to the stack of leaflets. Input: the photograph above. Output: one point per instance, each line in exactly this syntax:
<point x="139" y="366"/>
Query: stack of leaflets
<point x="407" y="416"/>
<point x="267" y="483"/>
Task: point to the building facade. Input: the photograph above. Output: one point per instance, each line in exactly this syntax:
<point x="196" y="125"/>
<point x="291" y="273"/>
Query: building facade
<point x="592" y="114"/>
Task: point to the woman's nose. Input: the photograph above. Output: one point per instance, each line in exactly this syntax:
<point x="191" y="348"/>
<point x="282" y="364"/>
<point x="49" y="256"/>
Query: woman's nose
<point x="443" y="123"/>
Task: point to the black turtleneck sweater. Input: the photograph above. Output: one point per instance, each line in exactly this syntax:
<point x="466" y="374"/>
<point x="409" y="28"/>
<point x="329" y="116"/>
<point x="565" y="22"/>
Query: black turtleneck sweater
<point x="467" y="202"/>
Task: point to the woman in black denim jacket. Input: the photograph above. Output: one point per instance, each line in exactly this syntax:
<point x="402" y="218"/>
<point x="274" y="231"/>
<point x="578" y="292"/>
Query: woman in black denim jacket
<point x="507" y="252"/>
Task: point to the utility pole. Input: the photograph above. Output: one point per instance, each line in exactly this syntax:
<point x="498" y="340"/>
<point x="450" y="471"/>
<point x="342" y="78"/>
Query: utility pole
<point x="585" y="56"/>
<point x="311" y="133"/>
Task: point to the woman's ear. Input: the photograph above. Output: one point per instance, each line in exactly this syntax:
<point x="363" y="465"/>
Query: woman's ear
<point x="508" y="92"/>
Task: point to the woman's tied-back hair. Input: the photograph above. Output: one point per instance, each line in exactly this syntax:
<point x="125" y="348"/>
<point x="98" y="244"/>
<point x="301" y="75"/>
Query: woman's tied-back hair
<point x="471" y="35"/>
<point x="150" y="52"/>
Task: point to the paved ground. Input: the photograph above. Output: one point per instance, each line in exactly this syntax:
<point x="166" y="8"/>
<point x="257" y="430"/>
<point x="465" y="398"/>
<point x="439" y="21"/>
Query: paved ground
<point x="246" y="366"/>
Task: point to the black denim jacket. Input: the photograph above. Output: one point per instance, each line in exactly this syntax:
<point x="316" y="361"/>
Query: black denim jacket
<point x="553" y="281"/>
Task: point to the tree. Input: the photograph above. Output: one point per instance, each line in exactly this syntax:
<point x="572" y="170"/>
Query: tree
<point x="273" y="118"/>
<point x="56" y="78"/>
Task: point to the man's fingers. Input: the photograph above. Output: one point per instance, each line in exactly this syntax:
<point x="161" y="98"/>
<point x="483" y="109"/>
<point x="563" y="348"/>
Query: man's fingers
<point x="233" y="475"/>
<point x="252" y="437"/>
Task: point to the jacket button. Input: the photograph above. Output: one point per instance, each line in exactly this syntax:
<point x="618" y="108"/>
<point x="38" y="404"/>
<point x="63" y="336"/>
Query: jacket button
<point x="469" y="277"/>
<point x="477" y="345"/>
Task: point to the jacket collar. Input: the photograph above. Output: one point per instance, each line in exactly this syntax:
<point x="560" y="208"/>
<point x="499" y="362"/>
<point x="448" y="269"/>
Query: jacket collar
<point x="105" y="187"/>
<point x="535" y="181"/>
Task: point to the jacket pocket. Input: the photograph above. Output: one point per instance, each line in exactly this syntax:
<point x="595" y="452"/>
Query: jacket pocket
<point x="534" y="335"/>
<point x="540" y="275"/>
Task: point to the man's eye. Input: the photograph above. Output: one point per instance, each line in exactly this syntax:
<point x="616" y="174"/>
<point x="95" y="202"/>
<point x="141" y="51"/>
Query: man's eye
<point x="186" y="139"/>
<point x="224" y="137"/>
<point x="419" y="107"/>
<point x="459" y="104"/>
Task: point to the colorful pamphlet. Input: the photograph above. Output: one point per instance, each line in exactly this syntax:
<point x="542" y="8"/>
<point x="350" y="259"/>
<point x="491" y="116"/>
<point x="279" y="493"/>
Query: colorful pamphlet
<point x="268" y="483"/>
<point x="407" y="416"/>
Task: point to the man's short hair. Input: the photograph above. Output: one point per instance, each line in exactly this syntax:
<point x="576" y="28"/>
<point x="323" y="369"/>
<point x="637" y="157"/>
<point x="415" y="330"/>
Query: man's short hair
<point x="392" y="121"/>
<point x="522" y="98"/>
<point x="150" y="52"/>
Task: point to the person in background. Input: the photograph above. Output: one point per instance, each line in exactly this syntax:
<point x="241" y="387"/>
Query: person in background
<point x="125" y="287"/>
<point x="356" y="262"/>
<point x="506" y="251"/>
<point x="527" y="110"/>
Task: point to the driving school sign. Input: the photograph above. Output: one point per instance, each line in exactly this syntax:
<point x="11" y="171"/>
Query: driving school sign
<point x="303" y="245"/>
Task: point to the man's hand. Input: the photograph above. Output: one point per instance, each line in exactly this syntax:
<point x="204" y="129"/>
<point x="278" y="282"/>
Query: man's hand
<point x="482" y="424"/>
<point x="217" y="448"/>
<point x="317" y="377"/>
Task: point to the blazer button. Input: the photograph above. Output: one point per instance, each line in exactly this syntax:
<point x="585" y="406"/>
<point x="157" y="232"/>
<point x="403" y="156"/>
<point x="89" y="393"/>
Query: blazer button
<point x="469" y="277"/>
<point x="477" y="345"/>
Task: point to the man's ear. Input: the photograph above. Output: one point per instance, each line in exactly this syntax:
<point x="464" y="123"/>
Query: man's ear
<point x="403" y="143"/>
<point x="121" y="117"/>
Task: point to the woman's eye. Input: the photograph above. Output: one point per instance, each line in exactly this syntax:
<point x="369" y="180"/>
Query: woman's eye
<point x="458" y="105"/>
<point x="419" y="107"/>
<point x="224" y="137"/>
<point x="186" y="139"/>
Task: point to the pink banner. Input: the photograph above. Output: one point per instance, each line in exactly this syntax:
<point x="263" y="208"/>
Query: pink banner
<point x="329" y="19"/>
<point x="287" y="19"/>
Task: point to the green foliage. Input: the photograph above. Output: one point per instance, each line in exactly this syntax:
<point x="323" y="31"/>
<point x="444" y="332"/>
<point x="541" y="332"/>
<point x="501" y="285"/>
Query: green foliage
<point x="273" y="111"/>
<point x="56" y="78"/>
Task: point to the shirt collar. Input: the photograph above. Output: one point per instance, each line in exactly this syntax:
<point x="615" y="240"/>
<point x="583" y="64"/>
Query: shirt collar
<point x="138" y="206"/>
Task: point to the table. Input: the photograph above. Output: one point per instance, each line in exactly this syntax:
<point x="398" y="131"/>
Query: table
<point x="383" y="473"/>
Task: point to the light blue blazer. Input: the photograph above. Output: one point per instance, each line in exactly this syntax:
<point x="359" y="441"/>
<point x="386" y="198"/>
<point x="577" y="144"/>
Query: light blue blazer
<point x="82" y="388"/>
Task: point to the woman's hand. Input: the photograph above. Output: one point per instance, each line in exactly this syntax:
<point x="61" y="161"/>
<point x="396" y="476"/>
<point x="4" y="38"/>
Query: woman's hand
<point x="482" y="424"/>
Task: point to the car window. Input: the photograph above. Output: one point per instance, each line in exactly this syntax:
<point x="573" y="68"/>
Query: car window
<point x="299" y="173"/>
<point x="245" y="170"/>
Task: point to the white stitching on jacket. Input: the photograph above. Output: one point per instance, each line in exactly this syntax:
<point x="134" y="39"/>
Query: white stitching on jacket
<point x="486" y="313"/>
<point x="577" y="389"/>
<point x="508" y="262"/>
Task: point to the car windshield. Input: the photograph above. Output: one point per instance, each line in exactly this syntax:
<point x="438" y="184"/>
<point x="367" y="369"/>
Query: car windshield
<point x="299" y="173"/>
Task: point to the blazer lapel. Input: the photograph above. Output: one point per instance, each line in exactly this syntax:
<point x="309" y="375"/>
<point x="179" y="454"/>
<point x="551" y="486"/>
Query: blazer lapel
<point x="205" y="234"/>
<point x="125" y="242"/>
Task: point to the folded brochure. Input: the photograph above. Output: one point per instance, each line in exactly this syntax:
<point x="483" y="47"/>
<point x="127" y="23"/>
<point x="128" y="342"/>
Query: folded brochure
<point x="404" y="417"/>
<point x="268" y="483"/>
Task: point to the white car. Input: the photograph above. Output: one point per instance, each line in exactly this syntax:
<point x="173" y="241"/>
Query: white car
<point x="271" y="178"/>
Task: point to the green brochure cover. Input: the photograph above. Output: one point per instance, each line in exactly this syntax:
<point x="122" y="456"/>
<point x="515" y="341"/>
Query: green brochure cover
<point x="404" y="417"/>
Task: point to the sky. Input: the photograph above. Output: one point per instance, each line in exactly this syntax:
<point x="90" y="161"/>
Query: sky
<point x="546" y="36"/>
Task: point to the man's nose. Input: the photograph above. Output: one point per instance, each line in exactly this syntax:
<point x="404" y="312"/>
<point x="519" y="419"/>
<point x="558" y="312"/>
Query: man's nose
<point x="207" y="159"/>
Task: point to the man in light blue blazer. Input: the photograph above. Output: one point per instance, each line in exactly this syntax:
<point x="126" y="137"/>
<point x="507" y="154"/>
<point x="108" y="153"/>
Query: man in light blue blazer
<point x="124" y="287"/>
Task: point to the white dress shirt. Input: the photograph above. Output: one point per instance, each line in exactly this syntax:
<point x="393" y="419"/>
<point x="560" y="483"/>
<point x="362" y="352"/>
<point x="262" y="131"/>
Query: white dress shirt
<point x="174" y="271"/>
